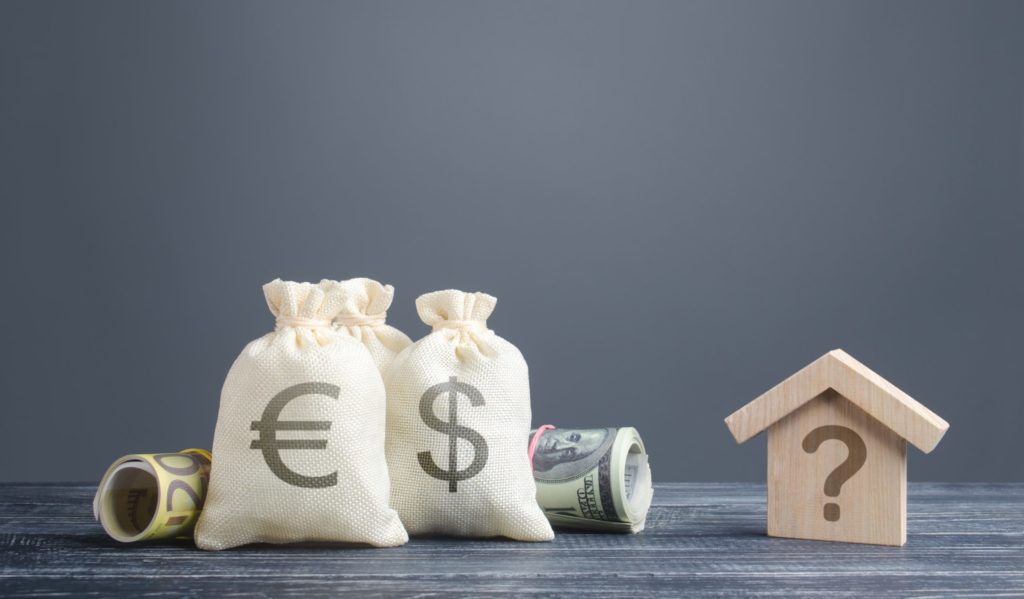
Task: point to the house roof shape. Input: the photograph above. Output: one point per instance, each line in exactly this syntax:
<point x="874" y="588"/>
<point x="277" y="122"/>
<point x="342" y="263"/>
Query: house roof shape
<point x="839" y="371"/>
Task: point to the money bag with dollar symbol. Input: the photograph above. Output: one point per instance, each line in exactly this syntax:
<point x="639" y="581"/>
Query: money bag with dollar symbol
<point x="458" y="412"/>
<point x="298" y="452"/>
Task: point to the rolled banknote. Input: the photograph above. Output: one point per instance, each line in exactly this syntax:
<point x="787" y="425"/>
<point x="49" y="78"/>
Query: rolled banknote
<point x="153" y="495"/>
<point x="593" y="479"/>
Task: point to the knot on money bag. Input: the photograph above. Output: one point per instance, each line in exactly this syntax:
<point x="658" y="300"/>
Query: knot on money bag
<point x="363" y="316"/>
<point x="461" y="316"/>
<point x="303" y="309"/>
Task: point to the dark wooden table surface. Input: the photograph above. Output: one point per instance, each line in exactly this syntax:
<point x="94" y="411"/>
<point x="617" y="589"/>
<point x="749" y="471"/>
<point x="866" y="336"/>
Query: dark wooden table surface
<point x="701" y="538"/>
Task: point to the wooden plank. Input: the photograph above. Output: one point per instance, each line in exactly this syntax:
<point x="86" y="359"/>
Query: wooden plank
<point x="903" y="414"/>
<point x="702" y="539"/>
<point x="867" y="390"/>
<point x="779" y="401"/>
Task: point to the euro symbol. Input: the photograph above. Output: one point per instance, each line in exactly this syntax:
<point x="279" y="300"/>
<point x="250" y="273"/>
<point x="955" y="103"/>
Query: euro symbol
<point x="268" y="425"/>
<point x="454" y="430"/>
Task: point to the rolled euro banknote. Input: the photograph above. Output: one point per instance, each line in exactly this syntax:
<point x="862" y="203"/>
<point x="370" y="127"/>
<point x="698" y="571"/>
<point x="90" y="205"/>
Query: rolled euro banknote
<point x="592" y="479"/>
<point x="148" y="496"/>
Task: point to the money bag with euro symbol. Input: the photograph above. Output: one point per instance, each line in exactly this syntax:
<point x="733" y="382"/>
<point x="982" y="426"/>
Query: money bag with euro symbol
<point x="458" y="414"/>
<point x="299" y="443"/>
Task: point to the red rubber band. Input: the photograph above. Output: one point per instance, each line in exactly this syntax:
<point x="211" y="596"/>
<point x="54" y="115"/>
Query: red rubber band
<point x="536" y="439"/>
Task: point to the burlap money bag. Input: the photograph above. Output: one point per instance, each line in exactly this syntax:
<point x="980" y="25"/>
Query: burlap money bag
<point x="458" y="414"/>
<point x="363" y="314"/>
<point x="298" y="448"/>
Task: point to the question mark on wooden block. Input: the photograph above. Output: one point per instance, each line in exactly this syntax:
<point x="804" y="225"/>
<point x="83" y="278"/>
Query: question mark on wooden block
<point x="858" y="454"/>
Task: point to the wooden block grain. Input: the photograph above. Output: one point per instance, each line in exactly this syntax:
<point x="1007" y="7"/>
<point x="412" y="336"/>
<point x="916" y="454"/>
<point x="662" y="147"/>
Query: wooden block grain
<point x="837" y="458"/>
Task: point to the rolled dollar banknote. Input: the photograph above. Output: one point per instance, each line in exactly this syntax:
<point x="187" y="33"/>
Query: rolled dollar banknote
<point x="592" y="479"/>
<point x="153" y="495"/>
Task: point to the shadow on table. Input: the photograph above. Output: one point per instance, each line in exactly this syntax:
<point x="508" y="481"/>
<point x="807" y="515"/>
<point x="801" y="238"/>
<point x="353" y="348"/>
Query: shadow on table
<point x="101" y="541"/>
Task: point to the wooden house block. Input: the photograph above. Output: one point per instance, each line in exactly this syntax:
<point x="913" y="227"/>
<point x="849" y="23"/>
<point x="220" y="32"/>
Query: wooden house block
<point x="837" y="454"/>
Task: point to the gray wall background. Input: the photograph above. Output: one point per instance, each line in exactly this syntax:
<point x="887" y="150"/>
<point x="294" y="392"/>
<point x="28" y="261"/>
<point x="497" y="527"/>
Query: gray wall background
<point x="678" y="204"/>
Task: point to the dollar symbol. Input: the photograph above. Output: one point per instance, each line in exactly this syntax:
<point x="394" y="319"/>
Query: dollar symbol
<point x="452" y="428"/>
<point x="268" y="425"/>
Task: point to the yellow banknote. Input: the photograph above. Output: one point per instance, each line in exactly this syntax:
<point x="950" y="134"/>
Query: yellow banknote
<point x="153" y="495"/>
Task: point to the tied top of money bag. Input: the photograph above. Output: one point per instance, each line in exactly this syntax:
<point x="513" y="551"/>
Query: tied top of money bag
<point x="303" y="311"/>
<point x="363" y="316"/>
<point x="460" y="316"/>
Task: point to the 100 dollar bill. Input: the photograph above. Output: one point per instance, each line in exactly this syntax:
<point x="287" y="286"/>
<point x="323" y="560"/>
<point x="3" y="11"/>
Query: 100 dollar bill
<point x="593" y="479"/>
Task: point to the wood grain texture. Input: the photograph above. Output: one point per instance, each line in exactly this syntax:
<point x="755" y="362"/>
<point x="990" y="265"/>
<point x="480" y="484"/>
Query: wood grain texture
<point x="867" y="390"/>
<point x="872" y="502"/>
<point x="839" y="393"/>
<point x="701" y="539"/>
